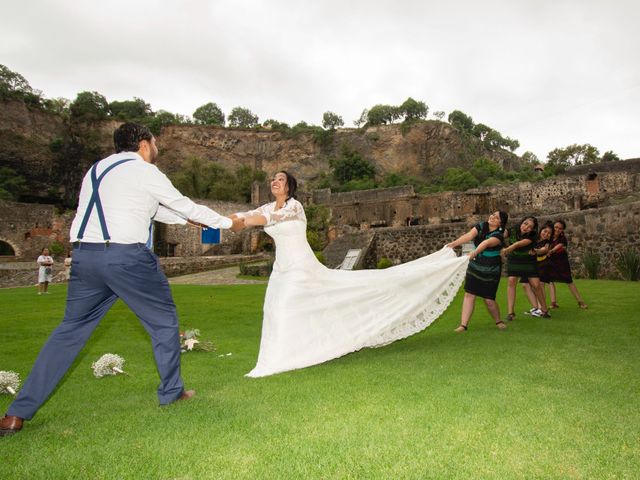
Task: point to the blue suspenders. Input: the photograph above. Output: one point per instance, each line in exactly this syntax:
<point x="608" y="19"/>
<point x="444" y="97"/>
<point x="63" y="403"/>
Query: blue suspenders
<point x="95" y="200"/>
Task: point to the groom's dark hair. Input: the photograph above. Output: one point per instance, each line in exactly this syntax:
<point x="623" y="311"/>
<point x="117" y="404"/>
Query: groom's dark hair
<point x="128" y="136"/>
<point x="292" y="184"/>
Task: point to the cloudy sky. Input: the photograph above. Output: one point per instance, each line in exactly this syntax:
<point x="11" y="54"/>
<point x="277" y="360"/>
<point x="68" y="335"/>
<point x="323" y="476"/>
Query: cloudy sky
<point x="546" y="72"/>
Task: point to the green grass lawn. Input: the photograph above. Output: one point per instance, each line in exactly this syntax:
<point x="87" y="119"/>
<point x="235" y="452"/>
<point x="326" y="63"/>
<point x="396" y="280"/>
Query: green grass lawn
<point x="544" y="399"/>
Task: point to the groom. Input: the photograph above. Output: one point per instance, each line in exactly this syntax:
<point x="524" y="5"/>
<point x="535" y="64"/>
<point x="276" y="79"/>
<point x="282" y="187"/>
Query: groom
<point x="119" y="198"/>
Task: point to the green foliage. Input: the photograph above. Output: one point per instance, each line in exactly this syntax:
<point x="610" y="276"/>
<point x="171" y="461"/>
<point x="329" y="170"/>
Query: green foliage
<point x="130" y="110"/>
<point x="459" y="179"/>
<point x="591" y="264"/>
<point x="331" y="120"/>
<point x="351" y="166"/>
<point x="484" y="168"/>
<point x="414" y="109"/>
<point x="12" y="185"/>
<point x="362" y="120"/>
<point x="313" y="238"/>
<point x="530" y="158"/>
<point x="56" y="248"/>
<point x="241" y="117"/>
<point x="59" y="106"/>
<point x="209" y="114"/>
<point x="15" y="86"/>
<point x="56" y="145"/>
<point x="628" y="264"/>
<point x="382" y="114"/>
<point x="320" y="257"/>
<point x="317" y="217"/>
<point x="384" y="262"/>
<point x="609" y="156"/>
<point x="461" y="121"/>
<point x="162" y="119"/>
<point x="200" y="179"/>
<point x="575" y="154"/>
<point x="276" y="125"/>
<point x="89" y="107"/>
<point x="439" y="114"/>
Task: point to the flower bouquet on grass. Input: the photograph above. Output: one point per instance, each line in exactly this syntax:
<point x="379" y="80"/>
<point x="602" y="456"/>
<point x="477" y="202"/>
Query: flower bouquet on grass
<point x="108" y="364"/>
<point x="189" y="342"/>
<point x="9" y="382"/>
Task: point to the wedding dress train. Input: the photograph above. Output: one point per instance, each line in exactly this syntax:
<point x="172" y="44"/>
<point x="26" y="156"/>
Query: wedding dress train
<point x="313" y="314"/>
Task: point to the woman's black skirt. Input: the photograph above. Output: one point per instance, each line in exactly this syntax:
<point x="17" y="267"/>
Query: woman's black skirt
<point x="483" y="276"/>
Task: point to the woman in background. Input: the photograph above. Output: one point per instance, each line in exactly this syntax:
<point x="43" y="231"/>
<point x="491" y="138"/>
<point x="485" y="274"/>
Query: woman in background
<point x="45" y="271"/>
<point x="560" y="266"/>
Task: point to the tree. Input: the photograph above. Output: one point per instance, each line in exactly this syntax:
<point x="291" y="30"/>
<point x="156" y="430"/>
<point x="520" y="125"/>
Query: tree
<point x="363" y="118"/>
<point x="242" y="118"/>
<point x="351" y="166"/>
<point x="11" y="184"/>
<point x="575" y="154"/>
<point x="484" y="168"/>
<point x="459" y="179"/>
<point x="331" y="120"/>
<point x="609" y="156"/>
<point x="461" y="121"/>
<point x="413" y="109"/>
<point x="135" y="109"/>
<point x="382" y="114"/>
<point x="481" y="130"/>
<point x="14" y="85"/>
<point x="89" y="107"/>
<point x="59" y="106"/>
<point x="530" y="158"/>
<point x="209" y="114"/>
<point x="439" y="114"/>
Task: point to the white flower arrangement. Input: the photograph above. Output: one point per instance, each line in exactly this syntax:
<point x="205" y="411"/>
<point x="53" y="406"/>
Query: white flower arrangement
<point x="189" y="342"/>
<point x="9" y="382"/>
<point x="108" y="364"/>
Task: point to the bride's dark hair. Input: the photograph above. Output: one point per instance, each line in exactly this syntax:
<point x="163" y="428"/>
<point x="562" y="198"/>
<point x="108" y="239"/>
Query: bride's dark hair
<point x="292" y="184"/>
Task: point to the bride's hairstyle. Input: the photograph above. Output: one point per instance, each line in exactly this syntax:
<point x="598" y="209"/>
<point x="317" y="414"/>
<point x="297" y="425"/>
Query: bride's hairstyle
<point x="292" y="184"/>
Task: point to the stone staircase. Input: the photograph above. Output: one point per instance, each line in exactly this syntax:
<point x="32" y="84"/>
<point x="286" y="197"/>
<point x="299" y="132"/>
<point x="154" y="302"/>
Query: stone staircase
<point x="335" y="252"/>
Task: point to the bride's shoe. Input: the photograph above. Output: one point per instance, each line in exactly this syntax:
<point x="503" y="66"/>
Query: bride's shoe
<point x="461" y="328"/>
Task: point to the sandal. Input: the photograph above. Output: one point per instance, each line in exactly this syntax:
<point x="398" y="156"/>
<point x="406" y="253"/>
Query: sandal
<point x="501" y="325"/>
<point x="582" y="305"/>
<point x="511" y="317"/>
<point x="461" y="328"/>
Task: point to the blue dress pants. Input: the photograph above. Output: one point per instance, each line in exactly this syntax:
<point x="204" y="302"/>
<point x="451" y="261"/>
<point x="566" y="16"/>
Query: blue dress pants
<point x="101" y="274"/>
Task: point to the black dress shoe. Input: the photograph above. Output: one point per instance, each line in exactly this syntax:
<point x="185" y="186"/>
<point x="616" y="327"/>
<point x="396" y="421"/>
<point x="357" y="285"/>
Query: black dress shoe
<point x="10" y="425"/>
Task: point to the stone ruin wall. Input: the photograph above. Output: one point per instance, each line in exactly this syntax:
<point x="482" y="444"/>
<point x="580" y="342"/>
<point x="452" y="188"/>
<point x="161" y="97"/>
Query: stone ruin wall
<point x="396" y="207"/>
<point x="605" y="231"/>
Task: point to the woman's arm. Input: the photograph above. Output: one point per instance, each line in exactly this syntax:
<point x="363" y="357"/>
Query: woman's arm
<point x="467" y="237"/>
<point x="519" y="244"/>
<point x="489" y="242"/>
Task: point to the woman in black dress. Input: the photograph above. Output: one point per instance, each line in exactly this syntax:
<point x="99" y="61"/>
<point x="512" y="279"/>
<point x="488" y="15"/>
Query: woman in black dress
<point x="560" y="267"/>
<point x="485" y="267"/>
<point x="541" y="251"/>
<point x="521" y="263"/>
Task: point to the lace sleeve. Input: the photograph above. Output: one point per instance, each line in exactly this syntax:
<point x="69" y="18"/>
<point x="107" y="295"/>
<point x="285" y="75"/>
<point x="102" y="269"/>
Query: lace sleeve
<point x="262" y="210"/>
<point x="292" y="210"/>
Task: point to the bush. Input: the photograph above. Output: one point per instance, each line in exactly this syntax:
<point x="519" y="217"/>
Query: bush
<point x="384" y="262"/>
<point x="591" y="264"/>
<point x="320" y="257"/>
<point x="56" y="248"/>
<point x="628" y="264"/>
<point x="256" y="270"/>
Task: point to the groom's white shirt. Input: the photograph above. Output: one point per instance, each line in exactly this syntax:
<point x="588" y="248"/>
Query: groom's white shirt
<point x="132" y="194"/>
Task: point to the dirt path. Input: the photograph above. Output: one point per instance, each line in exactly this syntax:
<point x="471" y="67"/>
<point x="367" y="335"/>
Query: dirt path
<point x="222" y="276"/>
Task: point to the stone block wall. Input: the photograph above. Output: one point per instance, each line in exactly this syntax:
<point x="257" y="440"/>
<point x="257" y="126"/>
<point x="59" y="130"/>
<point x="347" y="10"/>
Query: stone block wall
<point x="605" y="231"/>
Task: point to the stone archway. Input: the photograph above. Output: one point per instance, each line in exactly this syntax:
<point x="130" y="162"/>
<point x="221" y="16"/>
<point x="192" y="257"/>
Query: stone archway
<point x="8" y="249"/>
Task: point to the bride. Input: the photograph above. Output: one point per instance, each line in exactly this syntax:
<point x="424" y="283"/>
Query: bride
<point x="313" y="314"/>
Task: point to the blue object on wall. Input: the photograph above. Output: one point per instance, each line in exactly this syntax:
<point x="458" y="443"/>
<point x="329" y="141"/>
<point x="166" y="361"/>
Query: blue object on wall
<point x="211" y="235"/>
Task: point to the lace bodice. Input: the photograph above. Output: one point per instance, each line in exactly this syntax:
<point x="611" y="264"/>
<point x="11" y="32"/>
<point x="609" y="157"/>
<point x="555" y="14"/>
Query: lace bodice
<point x="288" y="228"/>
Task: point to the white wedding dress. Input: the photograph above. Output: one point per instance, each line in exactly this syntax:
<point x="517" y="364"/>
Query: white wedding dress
<point x="313" y="314"/>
